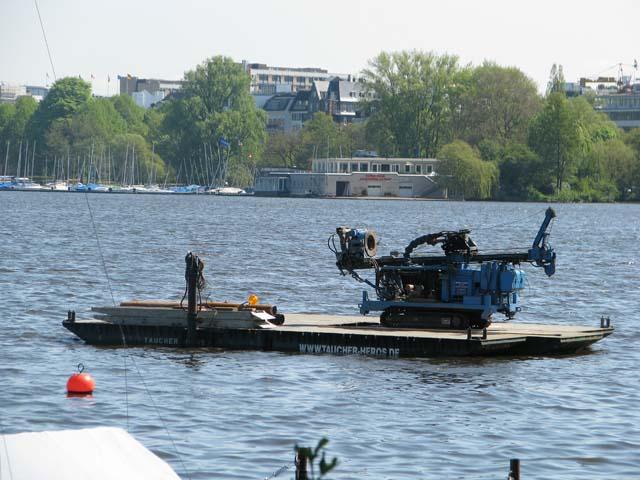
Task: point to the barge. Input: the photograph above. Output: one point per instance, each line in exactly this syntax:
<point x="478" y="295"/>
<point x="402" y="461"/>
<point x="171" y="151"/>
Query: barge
<point x="347" y="335"/>
<point x="431" y="305"/>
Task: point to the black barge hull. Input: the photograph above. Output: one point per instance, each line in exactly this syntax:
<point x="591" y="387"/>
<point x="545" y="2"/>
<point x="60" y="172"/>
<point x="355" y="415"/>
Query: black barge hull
<point x="345" y="335"/>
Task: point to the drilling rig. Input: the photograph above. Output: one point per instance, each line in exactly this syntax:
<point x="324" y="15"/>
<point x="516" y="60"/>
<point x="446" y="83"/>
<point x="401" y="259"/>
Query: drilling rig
<point x="459" y="290"/>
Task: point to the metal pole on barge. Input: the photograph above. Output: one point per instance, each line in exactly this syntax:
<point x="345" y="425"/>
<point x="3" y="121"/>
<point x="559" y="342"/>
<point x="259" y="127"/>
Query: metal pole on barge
<point x="192" y="285"/>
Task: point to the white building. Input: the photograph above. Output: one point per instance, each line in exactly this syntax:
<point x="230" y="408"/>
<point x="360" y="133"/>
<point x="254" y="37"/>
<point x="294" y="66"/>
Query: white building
<point x="9" y="93"/>
<point x="147" y="99"/>
<point x="148" y="91"/>
<point x="268" y="80"/>
<point x="357" y="177"/>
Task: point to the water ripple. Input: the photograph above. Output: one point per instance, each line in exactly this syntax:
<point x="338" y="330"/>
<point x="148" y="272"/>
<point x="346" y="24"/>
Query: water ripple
<point x="238" y="414"/>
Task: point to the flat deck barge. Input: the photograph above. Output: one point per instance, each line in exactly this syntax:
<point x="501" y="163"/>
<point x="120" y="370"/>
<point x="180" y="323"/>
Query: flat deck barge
<point x="351" y="335"/>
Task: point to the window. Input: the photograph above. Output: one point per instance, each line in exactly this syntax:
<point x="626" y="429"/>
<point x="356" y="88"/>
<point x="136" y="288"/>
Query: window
<point x="354" y="167"/>
<point x="288" y="79"/>
<point x="418" y="168"/>
<point x="407" y="168"/>
<point x="344" y="168"/>
<point x="364" y="167"/>
<point x="263" y="78"/>
<point x="429" y="168"/>
<point x="276" y="78"/>
<point x="374" y="167"/>
<point x="385" y="167"/>
<point x="302" y="79"/>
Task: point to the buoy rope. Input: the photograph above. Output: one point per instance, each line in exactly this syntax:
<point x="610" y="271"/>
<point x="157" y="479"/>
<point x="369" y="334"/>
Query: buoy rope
<point x="124" y="344"/>
<point x="106" y="273"/>
<point x="157" y="410"/>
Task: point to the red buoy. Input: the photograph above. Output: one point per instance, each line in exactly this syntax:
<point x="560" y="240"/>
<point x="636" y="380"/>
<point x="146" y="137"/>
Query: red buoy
<point x="81" y="382"/>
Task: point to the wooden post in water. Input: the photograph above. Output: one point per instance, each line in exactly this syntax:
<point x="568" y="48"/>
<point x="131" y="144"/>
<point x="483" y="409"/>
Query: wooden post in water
<point x="514" y="469"/>
<point x="192" y="280"/>
<point x="301" y="466"/>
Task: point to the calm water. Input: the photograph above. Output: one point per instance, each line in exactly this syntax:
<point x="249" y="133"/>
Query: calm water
<point x="238" y="414"/>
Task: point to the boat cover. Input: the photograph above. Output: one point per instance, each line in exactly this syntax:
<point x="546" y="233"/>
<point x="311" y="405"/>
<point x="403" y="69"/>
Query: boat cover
<point x="103" y="453"/>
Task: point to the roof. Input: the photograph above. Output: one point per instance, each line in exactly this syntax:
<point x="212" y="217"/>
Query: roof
<point x="103" y="453"/>
<point x="279" y="102"/>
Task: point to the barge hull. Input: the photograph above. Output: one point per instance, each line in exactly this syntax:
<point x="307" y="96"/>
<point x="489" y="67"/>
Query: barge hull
<point x="344" y="335"/>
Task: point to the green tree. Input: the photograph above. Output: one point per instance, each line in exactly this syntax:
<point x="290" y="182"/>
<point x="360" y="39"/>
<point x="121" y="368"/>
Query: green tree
<point x="499" y="104"/>
<point x="410" y="112"/>
<point x="556" y="80"/>
<point x="283" y="149"/>
<point x="522" y="176"/>
<point x="17" y="117"/>
<point x="7" y="111"/>
<point x="556" y="137"/>
<point x="321" y="138"/>
<point x="611" y="167"/>
<point x="216" y="104"/>
<point x="133" y="115"/>
<point x="133" y="160"/>
<point x="66" y="97"/>
<point x="464" y="173"/>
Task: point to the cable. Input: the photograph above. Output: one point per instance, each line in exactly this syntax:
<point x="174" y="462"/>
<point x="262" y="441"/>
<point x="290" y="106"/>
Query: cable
<point x="95" y="232"/>
<point x="124" y="344"/>
<point x="45" y="40"/>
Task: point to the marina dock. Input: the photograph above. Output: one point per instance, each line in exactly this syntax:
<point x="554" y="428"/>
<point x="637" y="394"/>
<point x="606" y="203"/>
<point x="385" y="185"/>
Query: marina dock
<point x="351" y="335"/>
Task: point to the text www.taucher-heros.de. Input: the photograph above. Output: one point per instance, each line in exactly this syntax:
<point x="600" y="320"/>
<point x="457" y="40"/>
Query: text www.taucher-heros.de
<point x="349" y="350"/>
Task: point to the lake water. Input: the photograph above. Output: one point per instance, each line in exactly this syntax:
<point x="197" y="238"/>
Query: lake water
<point x="237" y="415"/>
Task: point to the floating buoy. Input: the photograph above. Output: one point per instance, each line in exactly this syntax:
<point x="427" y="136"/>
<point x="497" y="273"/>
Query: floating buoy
<point x="81" y="383"/>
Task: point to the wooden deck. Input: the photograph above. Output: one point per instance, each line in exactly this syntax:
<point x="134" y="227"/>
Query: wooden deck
<point x="351" y="335"/>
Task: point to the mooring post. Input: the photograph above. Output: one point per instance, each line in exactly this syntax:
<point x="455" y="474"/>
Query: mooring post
<point x="192" y="280"/>
<point x="514" y="469"/>
<point x="301" y="466"/>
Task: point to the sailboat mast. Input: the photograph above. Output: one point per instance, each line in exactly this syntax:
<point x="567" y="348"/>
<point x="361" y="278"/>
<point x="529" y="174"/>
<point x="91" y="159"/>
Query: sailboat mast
<point x="33" y="158"/>
<point x="6" y="158"/>
<point x="19" y="160"/>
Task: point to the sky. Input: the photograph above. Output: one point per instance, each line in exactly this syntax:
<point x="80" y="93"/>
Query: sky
<point x="163" y="39"/>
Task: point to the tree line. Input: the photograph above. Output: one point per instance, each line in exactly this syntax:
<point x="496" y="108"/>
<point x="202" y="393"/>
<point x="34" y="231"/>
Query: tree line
<point x="495" y="135"/>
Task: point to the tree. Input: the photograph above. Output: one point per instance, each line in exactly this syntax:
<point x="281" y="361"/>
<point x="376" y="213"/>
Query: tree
<point x="556" y="80"/>
<point x="556" y="137"/>
<point x="464" y="173"/>
<point x="134" y="160"/>
<point x="612" y="169"/>
<point x="629" y="174"/>
<point x="216" y="104"/>
<point x="66" y="97"/>
<point x="522" y="176"/>
<point x="410" y="111"/>
<point x="283" y="149"/>
<point x="133" y="115"/>
<point x="499" y="104"/>
<point x="321" y="137"/>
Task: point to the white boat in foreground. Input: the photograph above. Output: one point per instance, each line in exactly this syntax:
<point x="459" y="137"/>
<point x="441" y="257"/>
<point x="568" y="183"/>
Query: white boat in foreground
<point x="102" y="453"/>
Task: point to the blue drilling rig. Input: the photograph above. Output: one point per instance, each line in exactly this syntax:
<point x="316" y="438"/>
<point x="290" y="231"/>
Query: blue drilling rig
<point x="458" y="290"/>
